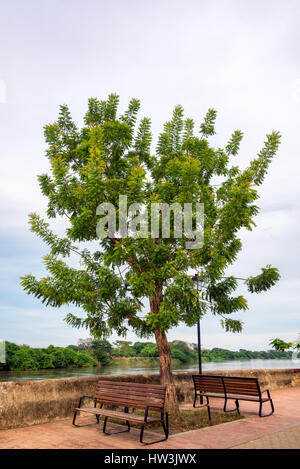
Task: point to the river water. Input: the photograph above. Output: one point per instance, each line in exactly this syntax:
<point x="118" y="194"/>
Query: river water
<point x="130" y="369"/>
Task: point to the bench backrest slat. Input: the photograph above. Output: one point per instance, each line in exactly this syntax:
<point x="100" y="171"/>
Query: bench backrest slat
<point x="207" y="383"/>
<point x="134" y="395"/>
<point x="242" y="386"/>
<point x="227" y="385"/>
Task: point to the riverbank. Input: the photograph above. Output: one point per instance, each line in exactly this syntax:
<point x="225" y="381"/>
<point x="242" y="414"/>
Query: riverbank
<point x="144" y="366"/>
<point x="33" y="402"/>
<point x="92" y="353"/>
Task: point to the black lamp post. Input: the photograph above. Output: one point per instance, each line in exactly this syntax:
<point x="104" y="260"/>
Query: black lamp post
<point x="195" y="278"/>
<point x="199" y="348"/>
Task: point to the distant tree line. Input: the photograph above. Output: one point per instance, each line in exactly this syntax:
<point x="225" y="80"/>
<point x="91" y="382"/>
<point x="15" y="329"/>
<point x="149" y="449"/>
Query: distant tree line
<point x="220" y="354"/>
<point x="89" y="352"/>
<point x="23" y="357"/>
<point x="185" y="352"/>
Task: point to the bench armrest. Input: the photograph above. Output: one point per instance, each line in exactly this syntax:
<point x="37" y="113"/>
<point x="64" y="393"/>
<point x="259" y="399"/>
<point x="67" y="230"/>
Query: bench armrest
<point x="267" y="391"/>
<point x="83" y="397"/>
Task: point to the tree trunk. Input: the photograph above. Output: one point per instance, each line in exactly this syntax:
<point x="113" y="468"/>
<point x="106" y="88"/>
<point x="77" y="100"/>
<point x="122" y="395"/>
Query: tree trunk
<point x="166" y="376"/>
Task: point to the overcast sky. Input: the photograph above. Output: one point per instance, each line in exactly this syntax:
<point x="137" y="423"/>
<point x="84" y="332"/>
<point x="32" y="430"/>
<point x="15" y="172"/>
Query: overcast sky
<point x="239" y="57"/>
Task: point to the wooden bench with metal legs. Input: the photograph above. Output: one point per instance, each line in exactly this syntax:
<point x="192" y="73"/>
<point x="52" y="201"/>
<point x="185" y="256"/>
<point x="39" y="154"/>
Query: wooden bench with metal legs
<point x="230" y="388"/>
<point x="130" y="396"/>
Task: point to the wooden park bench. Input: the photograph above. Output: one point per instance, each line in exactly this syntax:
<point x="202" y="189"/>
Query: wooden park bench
<point x="133" y="396"/>
<point x="230" y="388"/>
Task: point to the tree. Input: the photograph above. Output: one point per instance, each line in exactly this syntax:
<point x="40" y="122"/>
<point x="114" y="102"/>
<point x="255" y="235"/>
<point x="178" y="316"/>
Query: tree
<point x="138" y="347"/>
<point x="179" y="355"/>
<point x="73" y="347"/>
<point x="123" y="348"/>
<point x="150" y="350"/>
<point x="187" y="351"/>
<point x="10" y="350"/>
<point x="85" y="344"/>
<point x="23" y="360"/>
<point x="101" y="351"/>
<point x="106" y="159"/>
<point x="83" y="359"/>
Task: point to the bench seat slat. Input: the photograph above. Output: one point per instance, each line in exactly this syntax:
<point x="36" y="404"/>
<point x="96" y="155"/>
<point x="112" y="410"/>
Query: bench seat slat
<point x="117" y="415"/>
<point x="240" y="397"/>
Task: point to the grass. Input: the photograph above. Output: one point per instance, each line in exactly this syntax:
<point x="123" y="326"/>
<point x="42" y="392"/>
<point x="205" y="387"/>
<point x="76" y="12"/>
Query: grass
<point x="197" y="418"/>
<point x="192" y="419"/>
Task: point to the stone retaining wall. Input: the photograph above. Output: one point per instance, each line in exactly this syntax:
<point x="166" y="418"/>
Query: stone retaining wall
<point x="32" y="402"/>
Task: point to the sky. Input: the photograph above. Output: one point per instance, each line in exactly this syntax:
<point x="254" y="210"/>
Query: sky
<point x="239" y="57"/>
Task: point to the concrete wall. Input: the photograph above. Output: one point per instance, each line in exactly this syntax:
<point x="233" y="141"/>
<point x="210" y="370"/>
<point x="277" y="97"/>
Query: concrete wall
<point x="33" y="402"/>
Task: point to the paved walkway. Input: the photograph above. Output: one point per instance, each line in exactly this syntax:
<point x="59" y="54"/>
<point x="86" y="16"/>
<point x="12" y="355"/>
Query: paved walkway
<point x="281" y="430"/>
<point x="290" y="439"/>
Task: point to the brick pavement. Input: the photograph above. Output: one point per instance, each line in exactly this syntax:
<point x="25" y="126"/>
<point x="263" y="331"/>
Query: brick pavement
<point x="289" y="439"/>
<point x="280" y="429"/>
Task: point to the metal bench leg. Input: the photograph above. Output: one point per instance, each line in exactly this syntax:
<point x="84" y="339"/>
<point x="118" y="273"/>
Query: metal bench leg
<point x="165" y="425"/>
<point x="74" y="418"/>
<point x="237" y="408"/>
<point x="85" y="425"/>
<point x="97" y="416"/>
<point x="88" y="424"/>
<point x="121" y="431"/>
<point x="200" y="399"/>
<point x="195" y="400"/>
<point x="260" y="409"/>
<point x="202" y="405"/>
<point x="208" y="409"/>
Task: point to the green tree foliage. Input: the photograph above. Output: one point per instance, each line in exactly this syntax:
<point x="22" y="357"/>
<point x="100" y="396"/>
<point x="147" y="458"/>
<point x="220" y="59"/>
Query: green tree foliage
<point x="188" y="353"/>
<point x="183" y="351"/>
<point x="179" y="355"/>
<point x="73" y="347"/>
<point x="220" y="354"/>
<point x="138" y="347"/>
<point x="24" y="360"/>
<point x="101" y="350"/>
<point x="108" y="157"/>
<point x="150" y="350"/>
<point x="23" y="357"/>
<point x="281" y="345"/>
<point x="123" y="348"/>
<point x="263" y="281"/>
